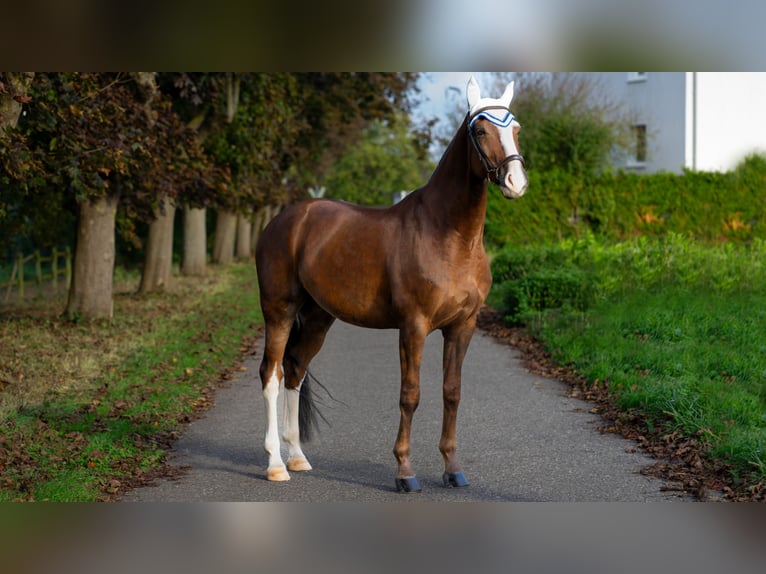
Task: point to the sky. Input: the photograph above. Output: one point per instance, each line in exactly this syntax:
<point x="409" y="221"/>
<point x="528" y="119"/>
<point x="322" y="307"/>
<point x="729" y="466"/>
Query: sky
<point x="439" y="91"/>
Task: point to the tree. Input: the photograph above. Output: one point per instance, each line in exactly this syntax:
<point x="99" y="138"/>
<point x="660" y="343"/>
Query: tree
<point x="384" y="161"/>
<point x="567" y="124"/>
<point x="275" y="134"/>
<point x="196" y="98"/>
<point x="158" y="262"/>
<point x="246" y="124"/>
<point x="338" y="107"/>
<point x="90" y="144"/>
<point x="13" y="93"/>
<point x="226" y="221"/>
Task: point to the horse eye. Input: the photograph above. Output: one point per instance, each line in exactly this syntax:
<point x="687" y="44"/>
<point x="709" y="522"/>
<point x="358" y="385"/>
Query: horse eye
<point x="481" y="132"/>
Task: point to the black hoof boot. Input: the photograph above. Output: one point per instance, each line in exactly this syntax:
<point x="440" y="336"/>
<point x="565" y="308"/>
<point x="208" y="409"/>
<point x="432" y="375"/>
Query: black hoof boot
<point x="454" y="479"/>
<point x="408" y="484"/>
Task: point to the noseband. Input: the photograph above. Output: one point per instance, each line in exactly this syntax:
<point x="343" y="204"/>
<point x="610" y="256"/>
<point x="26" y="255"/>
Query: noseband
<point x="493" y="171"/>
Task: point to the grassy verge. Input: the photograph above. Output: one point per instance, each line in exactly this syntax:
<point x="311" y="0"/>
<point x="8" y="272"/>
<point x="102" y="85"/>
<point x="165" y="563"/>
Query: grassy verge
<point x="673" y="330"/>
<point x="688" y="362"/>
<point x="89" y="407"/>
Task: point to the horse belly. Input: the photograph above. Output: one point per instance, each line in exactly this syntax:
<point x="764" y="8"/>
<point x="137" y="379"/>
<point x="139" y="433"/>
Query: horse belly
<point x="349" y="281"/>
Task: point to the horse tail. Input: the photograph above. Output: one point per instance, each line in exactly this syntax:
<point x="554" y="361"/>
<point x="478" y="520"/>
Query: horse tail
<point x="308" y="412"/>
<point x="308" y="409"/>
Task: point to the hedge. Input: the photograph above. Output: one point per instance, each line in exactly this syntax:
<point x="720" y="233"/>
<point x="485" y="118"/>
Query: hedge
<point x="708" y="206"/>
<point x="572" y="274"/>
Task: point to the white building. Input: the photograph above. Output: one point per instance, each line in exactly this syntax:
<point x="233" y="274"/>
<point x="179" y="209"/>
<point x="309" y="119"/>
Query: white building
<point x="707" y="121"/>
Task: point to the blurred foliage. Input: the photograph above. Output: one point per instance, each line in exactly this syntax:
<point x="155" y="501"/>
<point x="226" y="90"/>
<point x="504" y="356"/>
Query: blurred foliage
<point x="232" y="140"/>
<point x="383" y="162"/>
<point x="82" y="136"/>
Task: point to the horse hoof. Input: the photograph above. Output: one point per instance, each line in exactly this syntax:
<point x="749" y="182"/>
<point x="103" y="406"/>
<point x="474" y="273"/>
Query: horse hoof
<point x="408" y="484"/>
<point x="277" y="474"/>
<point x="298" y="464"/>
<point x="454" y="479"/>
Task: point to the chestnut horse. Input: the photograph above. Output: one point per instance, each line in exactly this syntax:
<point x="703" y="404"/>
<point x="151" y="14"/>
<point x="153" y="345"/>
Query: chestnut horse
<point x="417" y="266"/>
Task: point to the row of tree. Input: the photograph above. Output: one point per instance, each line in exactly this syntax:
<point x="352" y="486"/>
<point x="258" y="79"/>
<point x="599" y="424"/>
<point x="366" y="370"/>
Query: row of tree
<point x="101" y="152"/>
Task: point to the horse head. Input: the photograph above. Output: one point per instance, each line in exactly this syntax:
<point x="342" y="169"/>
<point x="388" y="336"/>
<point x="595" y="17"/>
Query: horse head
<point x="494" y="131"/>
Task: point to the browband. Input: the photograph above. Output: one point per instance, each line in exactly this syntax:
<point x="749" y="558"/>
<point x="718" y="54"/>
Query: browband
<point x="498" y="115"/>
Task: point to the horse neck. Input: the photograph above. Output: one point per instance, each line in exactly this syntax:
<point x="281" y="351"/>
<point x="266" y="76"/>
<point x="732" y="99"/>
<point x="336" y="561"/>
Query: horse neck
<point x="457" y="190"/>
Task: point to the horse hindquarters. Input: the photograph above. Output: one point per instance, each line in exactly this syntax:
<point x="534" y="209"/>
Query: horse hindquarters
<point x="279" y="306"/>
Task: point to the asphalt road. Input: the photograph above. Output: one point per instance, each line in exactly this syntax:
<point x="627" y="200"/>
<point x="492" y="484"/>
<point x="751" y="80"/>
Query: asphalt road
<point x="519" y="437"/>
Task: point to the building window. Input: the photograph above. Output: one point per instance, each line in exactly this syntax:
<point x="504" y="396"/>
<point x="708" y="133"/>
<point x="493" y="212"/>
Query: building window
<point x="637" y="77"/>
<point x="639" y="133"/>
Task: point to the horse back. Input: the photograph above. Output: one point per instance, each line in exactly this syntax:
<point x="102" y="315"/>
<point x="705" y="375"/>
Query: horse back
<point x="369" y="266"/>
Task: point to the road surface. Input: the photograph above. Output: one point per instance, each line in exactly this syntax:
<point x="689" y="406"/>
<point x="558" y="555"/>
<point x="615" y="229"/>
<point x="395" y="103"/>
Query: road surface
<point x="519" y="437"/>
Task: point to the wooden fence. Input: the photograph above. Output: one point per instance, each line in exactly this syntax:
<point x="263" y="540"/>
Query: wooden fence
<point x="60" y="267"/>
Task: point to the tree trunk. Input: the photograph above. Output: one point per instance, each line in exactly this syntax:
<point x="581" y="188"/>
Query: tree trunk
<point x="90" y="294"/>
<point x="195" y="242"/>
<point x="244" y="226"/>
<point x="256" y="228"/>
<point x="262" y="218"/>
<point x="158" y="266"/>
<point x="225" y="232"/>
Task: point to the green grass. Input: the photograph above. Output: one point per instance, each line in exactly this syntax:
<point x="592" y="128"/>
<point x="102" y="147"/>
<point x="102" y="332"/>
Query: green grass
<point x="689" y="361"/>
<point x="675" y="329"/>
<point x="84" y="443"/>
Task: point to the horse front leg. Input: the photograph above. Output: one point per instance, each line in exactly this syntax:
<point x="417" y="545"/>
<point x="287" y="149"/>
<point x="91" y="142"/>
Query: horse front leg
<point x="456" y="341"/>
<point x="411" y="341"/>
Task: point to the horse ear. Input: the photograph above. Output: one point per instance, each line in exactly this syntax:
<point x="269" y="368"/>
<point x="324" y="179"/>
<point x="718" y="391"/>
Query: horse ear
<point x="473" y="92"/>
<point x="508" y="95"/>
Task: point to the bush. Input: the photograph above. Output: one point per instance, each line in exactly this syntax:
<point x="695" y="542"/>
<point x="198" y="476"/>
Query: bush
<point x="710" y="207"/>
<point x="535" y="279"/>
<point x="574" y="273"/>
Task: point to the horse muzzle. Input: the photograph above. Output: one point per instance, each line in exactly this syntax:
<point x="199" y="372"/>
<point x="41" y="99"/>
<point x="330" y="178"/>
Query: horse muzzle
<point x="514" y="181"/>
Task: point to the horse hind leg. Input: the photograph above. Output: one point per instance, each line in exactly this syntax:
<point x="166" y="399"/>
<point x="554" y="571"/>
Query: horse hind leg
<point x="271" y="374"/>
<point x="306" y="339"/>
<point x="271" y="377"/>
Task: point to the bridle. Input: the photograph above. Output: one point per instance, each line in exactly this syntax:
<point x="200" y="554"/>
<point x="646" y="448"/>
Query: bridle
<point x="493" y="171"/>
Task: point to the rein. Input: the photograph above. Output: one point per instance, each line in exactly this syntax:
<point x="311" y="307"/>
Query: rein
<point x="493" y="171"/>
